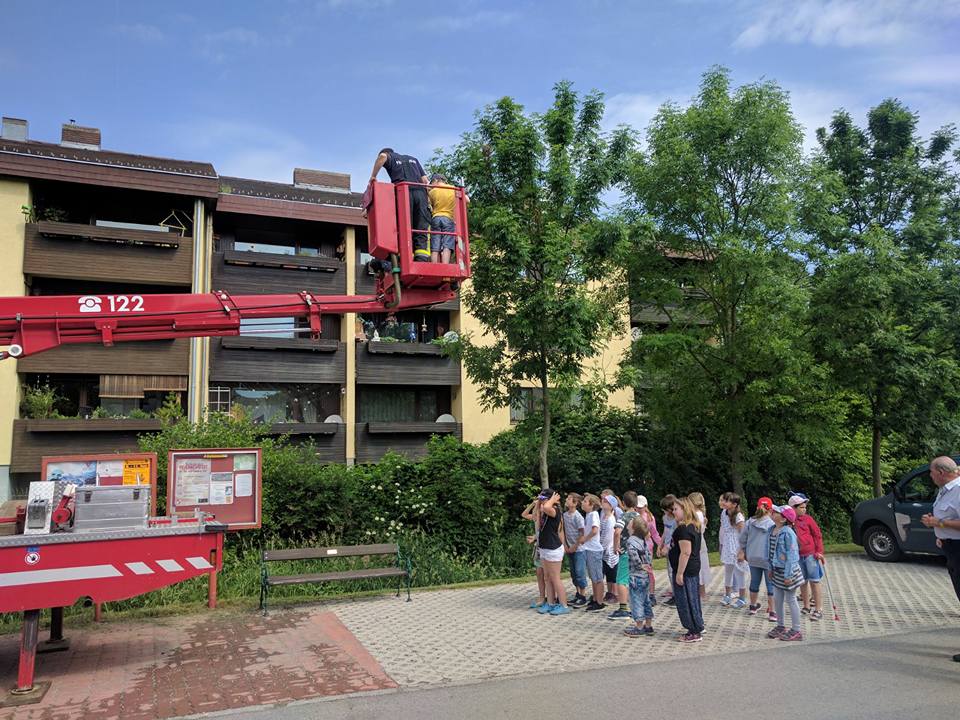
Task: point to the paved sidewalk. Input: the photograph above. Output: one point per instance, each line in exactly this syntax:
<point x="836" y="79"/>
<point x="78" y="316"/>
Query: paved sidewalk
<point x="227" y="660"/>
<point x="459" y="636"/>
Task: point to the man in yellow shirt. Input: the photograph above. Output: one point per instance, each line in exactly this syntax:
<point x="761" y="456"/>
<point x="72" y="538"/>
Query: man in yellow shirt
<point x="443" y="201"/>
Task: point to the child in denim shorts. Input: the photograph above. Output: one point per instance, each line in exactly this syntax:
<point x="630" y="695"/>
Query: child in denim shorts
<point x="640" y="560"/>
<point x="443" y="201"/>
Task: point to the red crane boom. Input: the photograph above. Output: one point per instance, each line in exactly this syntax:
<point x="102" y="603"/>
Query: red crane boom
<point x="29" y="325"/>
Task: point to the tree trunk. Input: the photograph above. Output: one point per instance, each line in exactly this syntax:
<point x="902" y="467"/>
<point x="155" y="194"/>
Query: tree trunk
<point x="875" y="460"/>
<point x="736" y="470"/>
<point x="545" y="433"/>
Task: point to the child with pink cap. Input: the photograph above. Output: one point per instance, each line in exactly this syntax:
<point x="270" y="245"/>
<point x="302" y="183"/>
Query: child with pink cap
<point x="784" y="557"/>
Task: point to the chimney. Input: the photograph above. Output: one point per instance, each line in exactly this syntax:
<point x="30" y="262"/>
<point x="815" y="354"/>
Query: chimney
<point x="14" y="129"/>
<point x="77" y="136"/>
<point x="321" y="180"/>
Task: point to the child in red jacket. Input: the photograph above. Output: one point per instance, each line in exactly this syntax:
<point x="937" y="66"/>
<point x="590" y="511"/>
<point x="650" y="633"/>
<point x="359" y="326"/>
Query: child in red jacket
<point x="810" y="541"/>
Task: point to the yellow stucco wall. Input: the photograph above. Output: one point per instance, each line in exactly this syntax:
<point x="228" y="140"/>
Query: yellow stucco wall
<point x="607" y="364"/>
<point x="478" y="425"/>
<point x="348" y="400"/>
<point x="13" y="195"/>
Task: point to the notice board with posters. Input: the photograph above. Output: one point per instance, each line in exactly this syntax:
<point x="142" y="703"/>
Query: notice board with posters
<point x="104" y="470"/>
<point x="223" y="482"/>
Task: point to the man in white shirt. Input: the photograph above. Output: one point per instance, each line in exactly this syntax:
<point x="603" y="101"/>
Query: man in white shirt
<point x="945" y="518"/>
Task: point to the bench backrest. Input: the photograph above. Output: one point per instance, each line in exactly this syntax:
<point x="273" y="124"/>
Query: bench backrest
<point x="330" y="552"/>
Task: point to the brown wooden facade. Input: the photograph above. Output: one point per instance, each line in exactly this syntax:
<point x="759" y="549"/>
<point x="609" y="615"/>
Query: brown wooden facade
<point x="32" y="439"/>
<point x="382" y="363"/>
<point x="374" y="440"/>
<point x="57" y="250"/>
<point x="158" y="357"/>
<point x="272" y="360"/>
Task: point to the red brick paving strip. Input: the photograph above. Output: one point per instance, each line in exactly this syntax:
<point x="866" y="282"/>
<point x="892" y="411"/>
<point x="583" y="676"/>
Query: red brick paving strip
<point x="165" y="668"/>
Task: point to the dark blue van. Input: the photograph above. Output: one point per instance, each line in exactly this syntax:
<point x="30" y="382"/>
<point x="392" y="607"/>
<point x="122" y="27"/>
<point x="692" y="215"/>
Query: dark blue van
<point x="889" y="526"/>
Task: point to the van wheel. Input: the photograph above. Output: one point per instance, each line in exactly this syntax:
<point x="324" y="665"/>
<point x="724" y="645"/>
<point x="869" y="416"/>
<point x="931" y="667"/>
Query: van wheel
<point x="881" y="545"/>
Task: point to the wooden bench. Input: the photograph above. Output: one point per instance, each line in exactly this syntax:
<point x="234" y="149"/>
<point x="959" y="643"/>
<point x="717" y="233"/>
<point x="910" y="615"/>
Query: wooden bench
<point x="400" y="570"/>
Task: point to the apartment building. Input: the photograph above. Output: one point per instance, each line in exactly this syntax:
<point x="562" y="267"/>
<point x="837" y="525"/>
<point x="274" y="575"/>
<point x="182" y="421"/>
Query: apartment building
<point x="78" y="219"/>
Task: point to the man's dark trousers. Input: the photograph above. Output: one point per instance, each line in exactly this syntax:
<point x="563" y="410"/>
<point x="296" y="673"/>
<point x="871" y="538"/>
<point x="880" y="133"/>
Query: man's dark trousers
<point x="420" y="220"/>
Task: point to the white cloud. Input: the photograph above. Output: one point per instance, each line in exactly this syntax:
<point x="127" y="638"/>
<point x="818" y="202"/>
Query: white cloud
<point x="929" y="71"/>
<point x="218" y="46"/>
<point x="242" y="149"/>
<point x="846" y="23"/>
<point x="634" y="109"/>
<point x="456" y="23"/>
<point x="813" y="107"/>
<point x="140" y="32"/>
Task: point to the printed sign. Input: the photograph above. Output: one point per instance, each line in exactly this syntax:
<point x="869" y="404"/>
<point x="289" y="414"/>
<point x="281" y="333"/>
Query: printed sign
<point x="136" y="472"/>
<point x="223" y="483"/>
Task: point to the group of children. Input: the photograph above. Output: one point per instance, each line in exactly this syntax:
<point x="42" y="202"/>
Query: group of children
<point x="612" y="544"/>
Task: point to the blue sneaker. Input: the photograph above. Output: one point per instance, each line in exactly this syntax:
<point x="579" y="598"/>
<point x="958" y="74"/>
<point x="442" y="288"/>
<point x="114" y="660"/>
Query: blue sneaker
<point x="739" y="603"/>
<point x="726" y="601"/>
<point x="536" y="605"/>
<point x="559" y="610"/>
<point x="545" y="608"/>
<point x="633" y="631"/>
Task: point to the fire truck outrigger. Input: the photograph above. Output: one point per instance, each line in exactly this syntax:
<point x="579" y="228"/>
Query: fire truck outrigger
<point x="58" y="567"/>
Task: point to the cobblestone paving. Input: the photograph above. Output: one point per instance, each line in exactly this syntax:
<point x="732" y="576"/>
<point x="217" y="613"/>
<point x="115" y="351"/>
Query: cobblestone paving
<point x="463" y="635"/>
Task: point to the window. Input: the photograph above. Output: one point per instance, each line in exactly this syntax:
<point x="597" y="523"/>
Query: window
<point x="386" y="404"/>
<point x="406" y="326"/>
<point x="265" y="248"/>
<point x="920" y="489"/>
<point x="277" y="403"/>
<point x="219" y="399"/>
<point x="119" y="406"/>
<point x="268" y="327"/>
<point x="529" y="403"/>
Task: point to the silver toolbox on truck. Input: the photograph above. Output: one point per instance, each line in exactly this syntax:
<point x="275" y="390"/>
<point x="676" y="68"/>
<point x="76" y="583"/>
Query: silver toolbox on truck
<point x="111" y="507"/>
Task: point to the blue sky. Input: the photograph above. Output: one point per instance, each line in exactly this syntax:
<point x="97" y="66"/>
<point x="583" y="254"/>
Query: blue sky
<point x="257" y="88"/>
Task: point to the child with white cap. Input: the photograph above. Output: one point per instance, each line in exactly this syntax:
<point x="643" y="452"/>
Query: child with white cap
<point x="810" y="540"/>
<point x="653" y="539"/>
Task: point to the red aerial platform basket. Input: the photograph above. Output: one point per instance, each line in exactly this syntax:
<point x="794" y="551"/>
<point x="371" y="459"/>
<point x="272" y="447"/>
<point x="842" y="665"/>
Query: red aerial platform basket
<point x="391" y="235"/>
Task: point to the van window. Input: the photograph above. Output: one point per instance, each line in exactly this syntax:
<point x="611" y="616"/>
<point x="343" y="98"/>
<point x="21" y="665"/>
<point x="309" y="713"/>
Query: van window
<point x="919" y="488"/>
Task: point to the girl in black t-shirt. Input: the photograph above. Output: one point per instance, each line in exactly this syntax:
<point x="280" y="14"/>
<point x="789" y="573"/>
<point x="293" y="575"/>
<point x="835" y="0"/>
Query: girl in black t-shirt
<point x="550" y="541"/>
<point x="684" y="559"/>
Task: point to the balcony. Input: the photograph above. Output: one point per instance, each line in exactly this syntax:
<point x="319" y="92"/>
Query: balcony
<point x="279" y="360"/>
<point x="245" y="272"/>
<point x="375" y="439"/>
<point x="383" y="363"/>
<point x="158" y="357"/>
<point x="90" y="252"/>
<point x="329" y="440"/>
<point x="32" y="439"/>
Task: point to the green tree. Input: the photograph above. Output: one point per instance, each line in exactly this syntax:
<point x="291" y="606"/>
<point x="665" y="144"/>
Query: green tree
<point x="713" y="275"/>
<point x="880" y="206"/>
<point x="539" y="285"/>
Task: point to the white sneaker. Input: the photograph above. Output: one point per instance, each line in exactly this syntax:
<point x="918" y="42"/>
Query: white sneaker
<point x="726" y="600"/>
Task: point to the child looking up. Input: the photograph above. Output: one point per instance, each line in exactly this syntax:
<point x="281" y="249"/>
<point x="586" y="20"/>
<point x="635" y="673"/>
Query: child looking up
<point x="700" y="510"/>
<point x="754" y="542"/>
<point x="621" y="535"/>
<point x="810" y="540"/>
<point x="590" y="541"/>
<point x="611" y="554"/>
<point x="731" y="524"/>
<point x="532" y="512"/>
<point x="640" y="560"/>
<point x="653" y="540"/>
<point x="784" y="557"/>
<point x="576" y="556"/>
<point x="669" y="525"/>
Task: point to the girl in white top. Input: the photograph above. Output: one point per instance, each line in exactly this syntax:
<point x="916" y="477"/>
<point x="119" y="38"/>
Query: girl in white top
<point x="700" y="506"/>
<point x="731" y="525"/>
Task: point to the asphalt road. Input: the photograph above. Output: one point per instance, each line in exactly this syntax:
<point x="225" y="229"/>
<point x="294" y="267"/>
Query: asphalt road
<point x="896" y="677"/>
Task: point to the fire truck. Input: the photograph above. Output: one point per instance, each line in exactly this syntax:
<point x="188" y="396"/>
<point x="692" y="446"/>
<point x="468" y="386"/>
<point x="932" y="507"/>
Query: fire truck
<point x="52" y="566"/>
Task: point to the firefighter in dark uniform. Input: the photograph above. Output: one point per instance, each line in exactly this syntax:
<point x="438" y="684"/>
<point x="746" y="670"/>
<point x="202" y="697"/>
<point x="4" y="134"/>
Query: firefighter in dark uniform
<point x="406" y="168"/>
